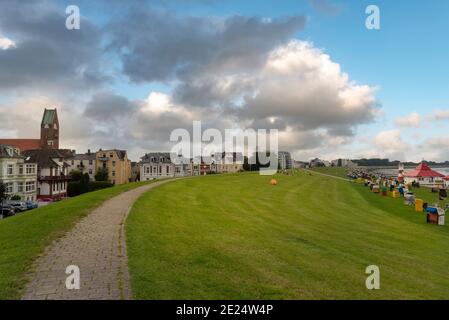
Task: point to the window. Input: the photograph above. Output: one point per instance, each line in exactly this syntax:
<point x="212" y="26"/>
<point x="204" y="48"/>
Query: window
<point x="111" y="155"/>
<point x="168" y="169"/>
<point x="90" y="171"/>
<point x="50" y="142"/>
<point x="113" y="163"/>
<point x="160" y="169"/>
<point x="30" y="169"/>
<point x="30" y="186"/>
<point x="55" y="126"/>
<point x="10" y="169"/>
<point x="20" y="168"/>
<point x="73" y="162"/>
<point x="113" y="173"/>
<point x="20" y="186"/>
<point x="91" y="162"/>
<point x="147" y="170"/>
<point x="9" y="187"/>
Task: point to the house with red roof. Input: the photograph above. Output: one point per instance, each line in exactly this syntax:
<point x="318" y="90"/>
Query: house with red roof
<point x="424" y="175"/>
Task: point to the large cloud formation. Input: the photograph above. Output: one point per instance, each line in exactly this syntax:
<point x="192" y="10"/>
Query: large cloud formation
<point x="40" y="53"/>
<point x="229" y="72"/>
<point x="245" y="70"/>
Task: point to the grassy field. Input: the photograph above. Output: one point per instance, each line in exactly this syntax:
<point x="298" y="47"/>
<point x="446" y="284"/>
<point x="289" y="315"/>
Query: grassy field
<point x="309" y="237"/>
<point x="333" y="171"/>
<point x="23" y="237"/>
<point x="420" y="193"/>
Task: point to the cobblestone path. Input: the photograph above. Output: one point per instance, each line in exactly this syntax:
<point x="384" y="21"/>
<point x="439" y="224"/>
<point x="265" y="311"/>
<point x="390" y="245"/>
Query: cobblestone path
<point x="97" y="246"/>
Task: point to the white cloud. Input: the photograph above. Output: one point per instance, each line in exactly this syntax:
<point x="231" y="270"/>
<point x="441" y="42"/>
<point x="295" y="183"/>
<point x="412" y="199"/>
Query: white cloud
<point x="390" y="140"/>
<point x="412" y="120"/>
<point x="301" y="85"/>
<point x="6" y="43"/>
<point x="441" y="114"/>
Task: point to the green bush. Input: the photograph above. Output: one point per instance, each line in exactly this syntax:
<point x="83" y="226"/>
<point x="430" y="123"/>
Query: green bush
<point x="75" y="188"/>
<point x="16" y="198"/>
<point x="97" y="185"/>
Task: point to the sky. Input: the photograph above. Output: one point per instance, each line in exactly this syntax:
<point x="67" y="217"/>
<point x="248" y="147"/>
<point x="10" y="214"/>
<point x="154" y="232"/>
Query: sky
<point x="137" y="70"/>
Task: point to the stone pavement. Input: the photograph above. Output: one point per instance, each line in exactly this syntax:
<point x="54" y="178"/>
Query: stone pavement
<point x="97" y="246"/>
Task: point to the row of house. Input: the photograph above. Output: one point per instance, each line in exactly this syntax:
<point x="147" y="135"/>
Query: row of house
<point x="158" y="165"/>
<point x="36" y="169"/>
<point x="39" y="169"/>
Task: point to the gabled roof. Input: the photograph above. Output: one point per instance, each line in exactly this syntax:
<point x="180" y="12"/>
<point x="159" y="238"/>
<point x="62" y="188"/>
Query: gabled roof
<point x="157" y="156"/>
<point x="121" y="154"/>
<point x="84" y="156"/>
<point x="44" y="158"/>
<point x="49" y="116"/>
<point x="423" y="170"/>
<point x="9" y="152"/>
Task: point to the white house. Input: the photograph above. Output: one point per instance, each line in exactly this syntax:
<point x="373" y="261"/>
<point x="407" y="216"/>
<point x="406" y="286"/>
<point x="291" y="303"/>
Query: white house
<point x="18" y="173"/>
<point x="52" y="172"/>
<point x="86" y="163"/>
<point x="227" y="162"/>
<point x="156" y="165"/>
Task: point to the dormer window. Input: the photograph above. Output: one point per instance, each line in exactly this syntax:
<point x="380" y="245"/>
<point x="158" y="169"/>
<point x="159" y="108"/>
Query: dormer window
<point x="46" y="126"/>
<point x="55" y="126"/>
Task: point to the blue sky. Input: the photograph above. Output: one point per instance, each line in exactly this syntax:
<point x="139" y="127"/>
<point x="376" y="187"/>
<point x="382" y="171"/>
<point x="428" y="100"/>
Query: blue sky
<point x="404" y="64"/>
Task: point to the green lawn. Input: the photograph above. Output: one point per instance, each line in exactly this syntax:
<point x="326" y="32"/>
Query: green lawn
<point x="23" y="237"/>
<point x="429" y="197"/>
<point x="309" y="237"/>
<point x="333" y="171"/>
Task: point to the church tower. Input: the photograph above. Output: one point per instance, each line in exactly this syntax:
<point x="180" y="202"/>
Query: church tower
<point x="50" y="130"/>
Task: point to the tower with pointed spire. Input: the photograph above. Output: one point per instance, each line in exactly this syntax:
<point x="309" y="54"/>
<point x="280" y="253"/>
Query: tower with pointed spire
<point x="50" y="130"/>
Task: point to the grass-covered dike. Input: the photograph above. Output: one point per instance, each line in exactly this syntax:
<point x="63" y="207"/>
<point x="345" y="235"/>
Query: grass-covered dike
<point x="309" y="237"/>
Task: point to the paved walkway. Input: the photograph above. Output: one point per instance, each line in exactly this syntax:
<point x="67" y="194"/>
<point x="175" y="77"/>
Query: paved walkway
<point x="97" y="246"/>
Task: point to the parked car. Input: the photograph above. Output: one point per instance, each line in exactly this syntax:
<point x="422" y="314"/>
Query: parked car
<point x="31" y="205"/>
<point x="18" y="205"/>
<point x="7" y="206"/>
<point x="6" y="211"/>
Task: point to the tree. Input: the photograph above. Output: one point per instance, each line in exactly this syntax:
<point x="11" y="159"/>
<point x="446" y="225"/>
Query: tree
<point x="2" y="192"/>
<point x="102" y="174"/>
<point x="246" y="165"/>
<point x="84" y="183"/>
<point x="76" y="175"/>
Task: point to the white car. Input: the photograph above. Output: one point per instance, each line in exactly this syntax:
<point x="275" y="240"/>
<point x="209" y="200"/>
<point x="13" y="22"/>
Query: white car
<point x="18" y="205"/>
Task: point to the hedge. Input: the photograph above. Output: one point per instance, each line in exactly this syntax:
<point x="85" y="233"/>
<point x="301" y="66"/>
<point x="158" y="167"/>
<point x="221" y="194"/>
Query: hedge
<point x="75" y="188"/>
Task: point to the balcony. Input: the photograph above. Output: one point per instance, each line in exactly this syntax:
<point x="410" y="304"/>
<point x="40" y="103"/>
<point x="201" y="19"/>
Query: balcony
<point x="54" y="178"/>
